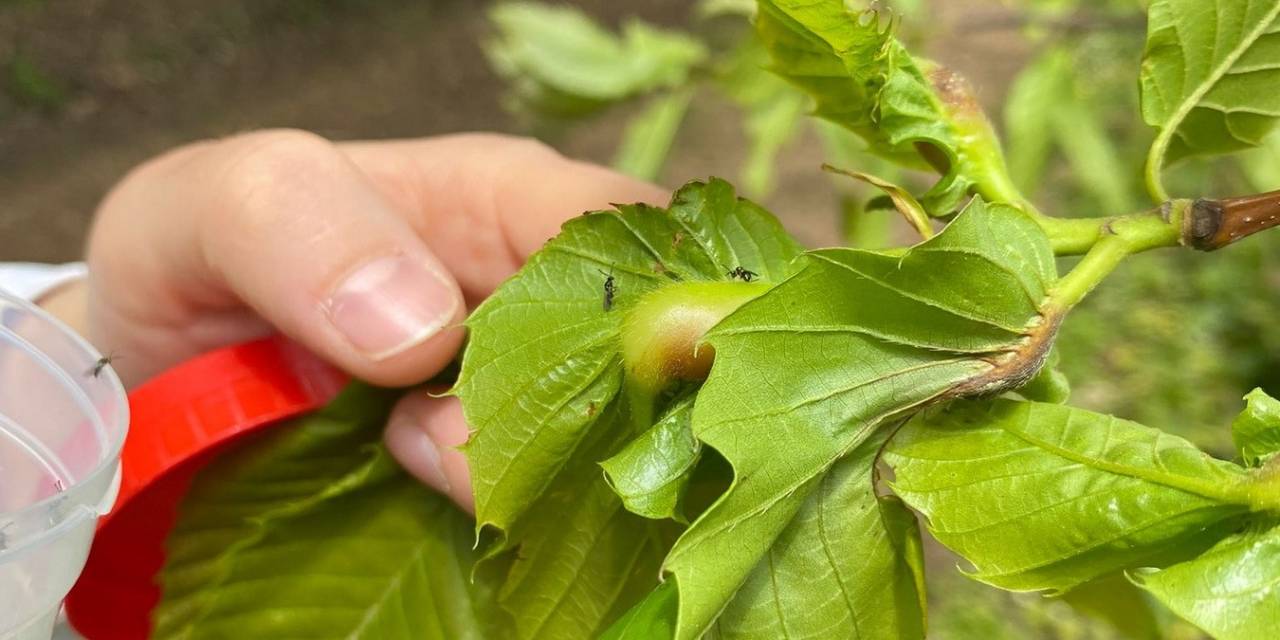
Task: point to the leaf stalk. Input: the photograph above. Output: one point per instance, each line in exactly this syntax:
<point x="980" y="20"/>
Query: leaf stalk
<point x="1117" y="239"/>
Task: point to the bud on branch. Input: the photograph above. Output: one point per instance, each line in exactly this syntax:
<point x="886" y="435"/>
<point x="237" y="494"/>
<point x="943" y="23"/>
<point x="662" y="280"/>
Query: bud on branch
<point x="1214" y="224"/>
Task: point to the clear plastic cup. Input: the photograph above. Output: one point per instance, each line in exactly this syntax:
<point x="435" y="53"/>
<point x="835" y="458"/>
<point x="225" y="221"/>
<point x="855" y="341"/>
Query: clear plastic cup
<point x="62" y="423"/>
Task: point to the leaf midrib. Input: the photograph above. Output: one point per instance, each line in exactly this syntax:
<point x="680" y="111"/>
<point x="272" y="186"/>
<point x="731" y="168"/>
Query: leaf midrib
<point x="396" y="580"/>
<point x="829" y="394"/>
<point x="1093" y="546"/>
<point x="846" y="598"/>
<point x="256" y="530"/>
<point x="1180" y="483"/>
<point x="1155" y="159"/>
<point x="964" y="314"/>
<point x="559" y="598"/>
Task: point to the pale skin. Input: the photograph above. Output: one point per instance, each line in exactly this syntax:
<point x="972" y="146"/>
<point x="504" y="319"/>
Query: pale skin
<point x="367" y="253"/>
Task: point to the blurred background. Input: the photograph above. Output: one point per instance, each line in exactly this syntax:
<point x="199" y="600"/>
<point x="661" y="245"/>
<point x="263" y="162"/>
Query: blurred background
<point x="90" y="88"/>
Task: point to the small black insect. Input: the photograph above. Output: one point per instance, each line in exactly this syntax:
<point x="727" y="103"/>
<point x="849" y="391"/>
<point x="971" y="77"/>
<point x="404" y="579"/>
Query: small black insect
<point x="743" y="274"/>
<point x="102" y="363"/>
<point x="610" y="289"/>
<point x="57" y="484"/>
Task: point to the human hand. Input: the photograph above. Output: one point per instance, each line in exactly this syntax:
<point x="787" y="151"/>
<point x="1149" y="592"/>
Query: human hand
<point x="367" y="253"/>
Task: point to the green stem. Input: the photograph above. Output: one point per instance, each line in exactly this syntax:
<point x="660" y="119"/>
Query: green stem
<point x="1155" y="165"/>
<point x="1114" y="240"/>
<point x="1099" y="262"/>
<point x="641" y="403"/>
<point x="1072" y="236"/>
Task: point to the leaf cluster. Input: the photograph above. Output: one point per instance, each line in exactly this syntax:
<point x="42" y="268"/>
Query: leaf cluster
<point x="707" y="453"/>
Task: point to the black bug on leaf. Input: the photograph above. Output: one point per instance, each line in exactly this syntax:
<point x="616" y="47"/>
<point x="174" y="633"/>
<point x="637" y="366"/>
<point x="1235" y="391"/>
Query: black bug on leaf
<point x="741" y="273"/>
<point x="610" y="289"/>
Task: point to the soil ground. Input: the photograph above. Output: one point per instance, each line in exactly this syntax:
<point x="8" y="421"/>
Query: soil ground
<point x="90" y="88"/>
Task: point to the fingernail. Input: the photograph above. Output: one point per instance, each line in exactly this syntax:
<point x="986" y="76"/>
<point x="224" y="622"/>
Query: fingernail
<point x="391" y="305"/>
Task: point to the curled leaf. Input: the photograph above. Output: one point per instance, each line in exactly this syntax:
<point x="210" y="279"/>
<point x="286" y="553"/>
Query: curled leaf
<point x="1256" y="431"/>
<point x="914" y="112"/>
<point x="903" y="201"/>
<point x="651" y="473"/>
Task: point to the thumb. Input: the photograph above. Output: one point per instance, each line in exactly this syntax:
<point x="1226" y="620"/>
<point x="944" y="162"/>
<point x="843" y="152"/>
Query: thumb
<point x="272" y="229"/>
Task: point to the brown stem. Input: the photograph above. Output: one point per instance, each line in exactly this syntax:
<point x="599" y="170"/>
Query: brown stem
<point x="1214" y="224"/>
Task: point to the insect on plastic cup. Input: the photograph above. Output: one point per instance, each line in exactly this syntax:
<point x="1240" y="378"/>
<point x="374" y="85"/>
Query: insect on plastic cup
<point x="62" y="423"/>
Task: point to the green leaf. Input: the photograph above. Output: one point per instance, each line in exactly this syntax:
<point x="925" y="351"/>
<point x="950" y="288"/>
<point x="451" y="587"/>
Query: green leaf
<point x="272" y="537"/>
<point x="772" y="111"/>
<point x="650" y="134"/>
<point x="949" y="317"/>
<point x="1231" y="591"/>
<point x="561" y="63"/>
<point x="582" y="558"/>
<point x="544" y="360"/>
<point x="1208" y="74"/>
<point x="1043" y="496"/>
<point x="289" y="581"/>
<point x="1117" y="602"/>
<point x="850" y="566"/>
<point x="914" y="112"/>
<point x="540" y="385"/>
<point x="1256" y="431"/>
<point x="653" y="619"/>
<point x="845" y="567"/>
<point x="903" y="530"/>
<point x="652" y="472"/>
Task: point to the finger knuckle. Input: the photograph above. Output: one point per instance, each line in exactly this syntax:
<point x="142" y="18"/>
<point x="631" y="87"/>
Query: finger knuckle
<point x="264" y="171"/>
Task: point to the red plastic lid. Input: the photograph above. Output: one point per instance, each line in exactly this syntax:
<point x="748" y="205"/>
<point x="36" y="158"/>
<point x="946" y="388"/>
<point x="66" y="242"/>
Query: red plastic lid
<point x="180" y="420"/>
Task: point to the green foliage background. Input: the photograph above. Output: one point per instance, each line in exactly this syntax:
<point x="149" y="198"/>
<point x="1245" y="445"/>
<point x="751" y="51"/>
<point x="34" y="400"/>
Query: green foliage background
<point x="1173" y="338"/>
<point x="1172" y="342"/>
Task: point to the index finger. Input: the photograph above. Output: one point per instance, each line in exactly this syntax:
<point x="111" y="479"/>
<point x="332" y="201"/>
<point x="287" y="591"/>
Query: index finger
<point x="484" y="202"/>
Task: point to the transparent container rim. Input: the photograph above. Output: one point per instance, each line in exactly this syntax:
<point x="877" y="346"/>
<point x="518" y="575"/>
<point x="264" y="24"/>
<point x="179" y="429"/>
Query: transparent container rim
<point x="107" y="463"/>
